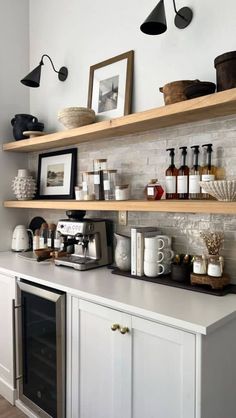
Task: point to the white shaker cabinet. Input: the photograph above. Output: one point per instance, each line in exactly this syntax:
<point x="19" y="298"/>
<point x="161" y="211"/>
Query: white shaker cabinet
<point x="139" y="369"/>
<point x="7" y="294"/>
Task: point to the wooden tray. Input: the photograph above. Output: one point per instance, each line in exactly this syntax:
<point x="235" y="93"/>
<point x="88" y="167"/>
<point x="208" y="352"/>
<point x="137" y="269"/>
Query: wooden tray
<point x="214" y="282"/>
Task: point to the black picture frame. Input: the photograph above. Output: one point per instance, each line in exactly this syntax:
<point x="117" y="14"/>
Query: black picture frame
<point x="62" y="157"/>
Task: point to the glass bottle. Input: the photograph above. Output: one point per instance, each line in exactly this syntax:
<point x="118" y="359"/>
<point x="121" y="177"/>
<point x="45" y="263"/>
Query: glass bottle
<point x="171" y="177"/>
<point x="208" y="171"/>
<point x="154" y="191"/>
<point x="183" y="176"/>
<point x="195" y="175"/>
<point x="88" y="185"/>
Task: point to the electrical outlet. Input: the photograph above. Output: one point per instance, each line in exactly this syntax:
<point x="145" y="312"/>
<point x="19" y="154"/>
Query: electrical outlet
<point x="123" y="217"/>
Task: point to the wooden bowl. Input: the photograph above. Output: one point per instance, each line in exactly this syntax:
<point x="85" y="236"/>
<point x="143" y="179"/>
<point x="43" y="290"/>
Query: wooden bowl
<point x="202" y="88"/>
<point x="73" y="117"/>
<point x="175" y="91"/>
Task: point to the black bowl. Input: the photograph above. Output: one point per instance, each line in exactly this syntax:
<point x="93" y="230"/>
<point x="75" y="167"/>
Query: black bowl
<point x="202" y="88"/>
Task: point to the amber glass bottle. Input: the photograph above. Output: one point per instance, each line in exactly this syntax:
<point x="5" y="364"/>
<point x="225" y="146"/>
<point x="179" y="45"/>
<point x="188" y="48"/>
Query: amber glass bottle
<point x="183" y="176"/>
<point x="171" y="177"/>
<point x="195" y="175"/>
<point x="208" y="171"/>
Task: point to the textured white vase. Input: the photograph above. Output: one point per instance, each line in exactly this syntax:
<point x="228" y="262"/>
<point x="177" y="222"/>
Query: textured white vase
<point x="24" y="186"/>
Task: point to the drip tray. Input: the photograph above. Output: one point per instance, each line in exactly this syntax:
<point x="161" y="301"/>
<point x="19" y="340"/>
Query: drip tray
<point x="166" y="280"/>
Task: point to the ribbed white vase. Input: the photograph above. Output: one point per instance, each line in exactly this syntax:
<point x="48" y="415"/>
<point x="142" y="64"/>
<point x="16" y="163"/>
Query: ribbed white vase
<point x="24" y="185"/>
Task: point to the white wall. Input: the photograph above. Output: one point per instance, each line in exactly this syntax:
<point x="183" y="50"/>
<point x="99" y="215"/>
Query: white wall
<point x="14" y="98"/>
<point x="80" y="33"/>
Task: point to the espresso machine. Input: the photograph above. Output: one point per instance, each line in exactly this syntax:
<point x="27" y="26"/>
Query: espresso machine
<point x="87" y="242"/>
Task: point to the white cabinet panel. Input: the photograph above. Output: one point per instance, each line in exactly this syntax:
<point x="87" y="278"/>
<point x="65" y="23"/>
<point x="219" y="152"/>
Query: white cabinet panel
<point x="7" y="294"/>
<point x="103" y="361"/>
<point x="163" y="371"/>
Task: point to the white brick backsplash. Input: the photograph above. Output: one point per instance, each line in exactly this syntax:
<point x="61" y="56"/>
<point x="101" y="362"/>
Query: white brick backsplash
<point x="143" y="156"/>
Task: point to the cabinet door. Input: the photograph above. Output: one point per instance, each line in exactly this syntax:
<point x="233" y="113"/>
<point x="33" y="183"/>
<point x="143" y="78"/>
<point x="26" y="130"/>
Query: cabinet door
<point x="7" y="294"/>
<point x="101" y="362"/>
<point x="163" y="371"/>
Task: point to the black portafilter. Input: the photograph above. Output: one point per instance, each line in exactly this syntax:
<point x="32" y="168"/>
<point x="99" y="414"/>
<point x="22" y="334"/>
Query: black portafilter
<point x="76" y="214"/>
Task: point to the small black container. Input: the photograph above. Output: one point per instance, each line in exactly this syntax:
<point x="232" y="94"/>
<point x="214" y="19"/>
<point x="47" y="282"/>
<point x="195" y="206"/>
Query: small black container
<point x="180" y="272"/>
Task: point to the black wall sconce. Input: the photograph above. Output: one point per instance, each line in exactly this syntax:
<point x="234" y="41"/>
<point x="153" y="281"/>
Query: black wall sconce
<point x="33" y="78"/>
<point x="155" y="24"/>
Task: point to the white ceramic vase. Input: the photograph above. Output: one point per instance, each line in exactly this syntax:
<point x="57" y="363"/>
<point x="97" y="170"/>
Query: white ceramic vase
<point x="24" y="185"/>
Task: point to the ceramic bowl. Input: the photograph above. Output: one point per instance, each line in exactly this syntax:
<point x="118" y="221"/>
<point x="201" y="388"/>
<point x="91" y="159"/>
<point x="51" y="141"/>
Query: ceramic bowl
<point x="222" y="190"/>
<point x="73" y="117"/>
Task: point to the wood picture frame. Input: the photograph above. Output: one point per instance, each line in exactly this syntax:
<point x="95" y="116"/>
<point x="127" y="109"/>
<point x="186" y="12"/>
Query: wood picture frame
<point x="57" y="174"/>
<point x="110" y="86"/>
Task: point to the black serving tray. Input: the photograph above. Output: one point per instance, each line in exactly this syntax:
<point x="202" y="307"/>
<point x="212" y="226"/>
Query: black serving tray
<point x="166" y="280"/>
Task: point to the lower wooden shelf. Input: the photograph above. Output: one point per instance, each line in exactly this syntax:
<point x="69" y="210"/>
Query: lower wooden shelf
<point x="187" y="206"/>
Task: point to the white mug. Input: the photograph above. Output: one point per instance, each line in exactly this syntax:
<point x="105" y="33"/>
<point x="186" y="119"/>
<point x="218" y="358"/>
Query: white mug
<point x="159" y="256"/>
<point x="167" y="240"/>
<point x="153" y="269"/>
<point x="154" y="243"/>
<point x="168" y="254"/>
<point x="151" y="256"/>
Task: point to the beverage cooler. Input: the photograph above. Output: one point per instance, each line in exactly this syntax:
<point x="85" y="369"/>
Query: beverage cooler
<point x="39" y="325"/>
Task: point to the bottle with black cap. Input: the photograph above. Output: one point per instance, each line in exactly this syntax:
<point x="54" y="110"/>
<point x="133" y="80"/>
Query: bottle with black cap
<point x="171" y="177"/>
<point x="183" y="176"/>
<point x="208" y="170"/>
<point x="195" y="175"/>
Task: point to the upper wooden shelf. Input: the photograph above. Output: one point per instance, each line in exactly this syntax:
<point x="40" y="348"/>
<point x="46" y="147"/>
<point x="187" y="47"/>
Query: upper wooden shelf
<point x="187" y="206"/>
<point x="206" y="107"/>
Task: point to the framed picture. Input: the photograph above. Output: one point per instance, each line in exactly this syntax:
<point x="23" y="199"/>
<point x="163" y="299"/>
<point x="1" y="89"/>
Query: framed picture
<point x="110" y="86"/>
<point x="57" y="174"/>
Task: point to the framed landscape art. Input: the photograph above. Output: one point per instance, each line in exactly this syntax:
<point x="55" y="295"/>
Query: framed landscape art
<point x="57" y="174"/>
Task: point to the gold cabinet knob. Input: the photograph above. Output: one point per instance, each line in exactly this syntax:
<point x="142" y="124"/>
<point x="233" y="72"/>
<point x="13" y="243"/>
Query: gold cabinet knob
<point x="124" y="330"/>
<point x="114" y="327"/>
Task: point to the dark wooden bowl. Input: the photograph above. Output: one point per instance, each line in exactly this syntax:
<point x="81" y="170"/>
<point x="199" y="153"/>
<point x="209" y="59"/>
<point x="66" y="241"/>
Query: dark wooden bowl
<point x="202" y="88"/>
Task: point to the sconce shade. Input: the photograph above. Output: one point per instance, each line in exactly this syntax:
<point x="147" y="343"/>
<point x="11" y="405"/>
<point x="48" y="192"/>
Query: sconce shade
<point x="33" y="78"/>
<point x="155" y="24"/>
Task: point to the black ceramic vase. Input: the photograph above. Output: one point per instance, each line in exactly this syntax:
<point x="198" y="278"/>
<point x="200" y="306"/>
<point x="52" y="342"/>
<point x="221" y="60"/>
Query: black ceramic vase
<point x="21" y="123"/>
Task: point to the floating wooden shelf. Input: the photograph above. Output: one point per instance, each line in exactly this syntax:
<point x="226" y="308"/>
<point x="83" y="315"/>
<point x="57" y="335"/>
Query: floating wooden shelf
<point x="206" y="107"/>
<point x="186" y="206"/>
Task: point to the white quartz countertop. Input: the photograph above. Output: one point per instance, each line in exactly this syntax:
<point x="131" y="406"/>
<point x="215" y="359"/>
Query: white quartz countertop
<point x="191" y="311"/>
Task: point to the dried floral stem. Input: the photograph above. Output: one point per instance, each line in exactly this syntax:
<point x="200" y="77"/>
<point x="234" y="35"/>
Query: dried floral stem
<point x="213" y="241"/>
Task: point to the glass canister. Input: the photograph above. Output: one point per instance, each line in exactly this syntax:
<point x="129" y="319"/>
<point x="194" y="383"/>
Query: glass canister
<point x="199" y="264"/>
<point x="215" y="266"/>
<point x="122" y="192"/>
<point x="99" y="166"/>
<point x="88" y="185"/>
<point x="109" y="184"/>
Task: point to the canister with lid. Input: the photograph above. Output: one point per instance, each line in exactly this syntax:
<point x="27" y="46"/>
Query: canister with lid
<point x="109" y="184"/>
<point x="88" y="185"/>
<point x="122" y="192"/>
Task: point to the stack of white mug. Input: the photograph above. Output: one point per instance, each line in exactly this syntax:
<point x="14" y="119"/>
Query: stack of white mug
<point x="157" y="255"/>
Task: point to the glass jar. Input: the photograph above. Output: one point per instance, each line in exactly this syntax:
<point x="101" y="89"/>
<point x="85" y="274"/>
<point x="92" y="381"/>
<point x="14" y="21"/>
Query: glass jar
<point x="199" y="264"/>
<point x="79" y="192"/>
<point x="88" y="185"/>
<point x="153" y="190"/>
<point x="215" y="266"/>
<point x="122" y="192"/>
<point x="109" y="184"/>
